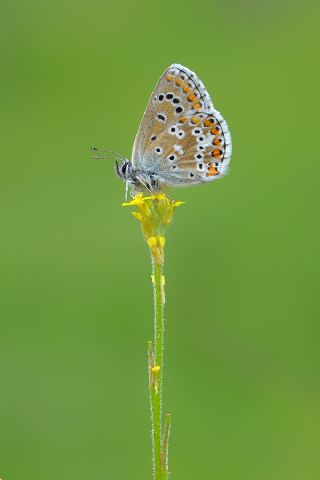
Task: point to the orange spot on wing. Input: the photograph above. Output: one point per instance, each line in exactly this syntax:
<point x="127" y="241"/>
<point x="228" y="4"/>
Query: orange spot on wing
<point x="183" y="119"/>
<point x="216" y="153"/>
<point x="213" y="131"/>
<point x="197" y="105"/>
<point x="212" y="170"/>
<point x="169" y="77"/>
<point x="191" y="97"/>
<point x="186" y="89"/>
<point x="217" y="141"/>
<point x="179" y="82"/>
<point x="209" y="122"/>
<point x="195" y="120"/>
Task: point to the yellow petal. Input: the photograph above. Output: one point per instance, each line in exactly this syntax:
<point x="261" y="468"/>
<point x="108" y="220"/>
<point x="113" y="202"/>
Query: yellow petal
<point x="136" y="201"/>
<point x="137" y="215"/>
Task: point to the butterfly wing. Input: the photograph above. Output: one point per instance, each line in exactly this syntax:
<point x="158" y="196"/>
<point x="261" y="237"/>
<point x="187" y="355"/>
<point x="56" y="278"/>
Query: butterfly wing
<point x="182" y="138"/>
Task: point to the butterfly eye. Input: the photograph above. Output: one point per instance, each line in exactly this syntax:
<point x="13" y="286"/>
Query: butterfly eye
<point x="158" y="150"/>
<point x="161" y="97"/>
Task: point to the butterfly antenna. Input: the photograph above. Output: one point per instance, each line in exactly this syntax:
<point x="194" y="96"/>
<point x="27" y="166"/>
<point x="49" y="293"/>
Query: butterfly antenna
<point x="110" y="154"/>
<point x="102" y="158"/>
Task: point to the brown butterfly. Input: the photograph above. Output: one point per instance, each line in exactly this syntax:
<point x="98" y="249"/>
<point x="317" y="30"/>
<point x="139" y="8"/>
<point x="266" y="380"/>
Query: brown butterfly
<point x="182" y="139"/>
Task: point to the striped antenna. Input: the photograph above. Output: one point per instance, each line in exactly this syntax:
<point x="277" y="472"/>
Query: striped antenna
<point x="110" y="155"/>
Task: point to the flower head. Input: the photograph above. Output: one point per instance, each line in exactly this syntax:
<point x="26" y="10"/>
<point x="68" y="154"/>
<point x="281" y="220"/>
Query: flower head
<point x="155" y="212"/>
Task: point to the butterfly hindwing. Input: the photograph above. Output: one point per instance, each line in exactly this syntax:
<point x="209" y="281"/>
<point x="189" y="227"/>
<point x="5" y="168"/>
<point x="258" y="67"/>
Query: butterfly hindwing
<point x="182" y="138"/>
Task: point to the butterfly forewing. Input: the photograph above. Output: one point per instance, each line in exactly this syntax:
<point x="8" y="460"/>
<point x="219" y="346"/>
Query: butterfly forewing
<point x="182" y="138"/>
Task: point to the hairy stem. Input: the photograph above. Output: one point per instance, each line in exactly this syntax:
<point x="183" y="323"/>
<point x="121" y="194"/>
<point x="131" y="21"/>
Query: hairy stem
<point x="156" y="374"/>
<point x="155" y="213"/>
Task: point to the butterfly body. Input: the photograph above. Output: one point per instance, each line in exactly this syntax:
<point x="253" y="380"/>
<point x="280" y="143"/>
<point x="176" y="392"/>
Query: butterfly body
<point x="139" y="179"/>
<point x="182" y="139"/>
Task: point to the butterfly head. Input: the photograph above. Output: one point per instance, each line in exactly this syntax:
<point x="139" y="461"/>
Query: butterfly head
<point x="124" y="171"/>
<point x="140" y="180"/>
<point x="127" y="173"/>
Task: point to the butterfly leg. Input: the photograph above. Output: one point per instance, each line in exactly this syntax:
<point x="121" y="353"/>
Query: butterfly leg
<point x="138" y="188"/>
<point x="145" y="181"/>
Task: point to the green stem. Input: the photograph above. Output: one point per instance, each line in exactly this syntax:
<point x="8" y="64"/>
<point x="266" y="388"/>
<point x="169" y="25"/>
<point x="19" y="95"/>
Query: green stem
<point x="159" y="468"/>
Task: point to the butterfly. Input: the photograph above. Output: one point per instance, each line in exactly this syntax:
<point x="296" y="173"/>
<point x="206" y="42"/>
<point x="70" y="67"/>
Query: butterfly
<point x="182" y="139"/>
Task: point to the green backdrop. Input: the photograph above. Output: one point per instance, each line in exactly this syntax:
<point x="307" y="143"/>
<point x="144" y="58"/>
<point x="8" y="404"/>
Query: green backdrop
<point x="242" y="257"/>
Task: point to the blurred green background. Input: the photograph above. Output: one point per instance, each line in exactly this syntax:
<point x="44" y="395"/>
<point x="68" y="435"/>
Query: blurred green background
<point x="242" y="264"/>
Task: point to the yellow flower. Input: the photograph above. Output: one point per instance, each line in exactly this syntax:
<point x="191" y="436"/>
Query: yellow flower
<point x="155" y="212"/>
